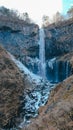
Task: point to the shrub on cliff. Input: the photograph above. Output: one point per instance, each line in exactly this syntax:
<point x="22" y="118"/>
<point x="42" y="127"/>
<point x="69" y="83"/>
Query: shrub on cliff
<point x="14" y="14"/>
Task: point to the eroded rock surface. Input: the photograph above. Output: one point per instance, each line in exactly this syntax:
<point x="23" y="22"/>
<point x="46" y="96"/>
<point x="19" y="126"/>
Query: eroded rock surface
<point x="59" y="39"/>
<point x="19" y="38"/>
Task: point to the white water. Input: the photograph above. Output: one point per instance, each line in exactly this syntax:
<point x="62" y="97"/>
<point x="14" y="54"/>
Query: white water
<point x="42" y="65"/>
<point x="67" y="69"/>
<point x="51" y="62"/>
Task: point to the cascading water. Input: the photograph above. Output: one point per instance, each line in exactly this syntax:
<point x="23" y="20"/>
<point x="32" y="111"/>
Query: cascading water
<point x="57" y="70"/>
<point x="34" y="98"/>
<point x="67" y="69"/>
<point x="42" y="65"/>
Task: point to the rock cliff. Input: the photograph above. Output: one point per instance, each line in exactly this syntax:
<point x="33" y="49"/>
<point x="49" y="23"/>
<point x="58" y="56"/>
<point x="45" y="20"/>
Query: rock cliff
<point x="19" y="38"/>
<point x="58" y="43"/>
<point x="59" y="39"/>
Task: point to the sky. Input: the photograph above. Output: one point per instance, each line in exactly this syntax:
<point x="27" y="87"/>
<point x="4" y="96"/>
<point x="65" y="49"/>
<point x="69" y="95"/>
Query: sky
<point x="66" y="5"/>
<point x="37" y="8"/>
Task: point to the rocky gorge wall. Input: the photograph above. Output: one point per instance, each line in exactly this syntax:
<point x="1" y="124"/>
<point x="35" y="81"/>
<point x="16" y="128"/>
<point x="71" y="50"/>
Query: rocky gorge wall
<point x="19" y="38"/>
<point x="59" y="39"/>
<point x="58" y="43"/>
<point x="22" y="41"/>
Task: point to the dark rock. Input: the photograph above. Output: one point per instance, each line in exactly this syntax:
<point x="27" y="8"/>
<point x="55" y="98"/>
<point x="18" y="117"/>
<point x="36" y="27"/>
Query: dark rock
<point x="19" y="38"/>
<point x="58" y="39"/>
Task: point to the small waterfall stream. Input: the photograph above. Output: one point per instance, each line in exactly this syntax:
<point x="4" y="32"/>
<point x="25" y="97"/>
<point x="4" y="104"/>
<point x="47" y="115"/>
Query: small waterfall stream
<point x="67" y="69"/>
<point x="42" y="65"/>
<point x="57" y="70"/>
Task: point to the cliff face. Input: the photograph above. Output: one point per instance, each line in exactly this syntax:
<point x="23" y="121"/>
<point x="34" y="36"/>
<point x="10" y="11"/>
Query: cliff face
<point x="19" y="38"/>
<point x="11" y="90"/>
<point x="57" y="114"/>
<point x="59" y="39"/>
<point x="58" y="43"/>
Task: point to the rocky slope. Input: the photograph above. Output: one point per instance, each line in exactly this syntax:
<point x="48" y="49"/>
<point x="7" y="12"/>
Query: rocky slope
<point x="59" y="38"/>
<point x="11" y="90"/>
<point x="57" y="114"/>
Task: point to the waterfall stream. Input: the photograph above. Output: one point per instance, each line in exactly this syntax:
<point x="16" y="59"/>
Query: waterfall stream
<point x="57" y="70"/>
<point x="42" y="65"/>
<point x="35" y="98"/>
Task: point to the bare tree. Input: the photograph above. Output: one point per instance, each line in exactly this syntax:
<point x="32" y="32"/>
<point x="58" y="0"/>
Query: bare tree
<point x="25" y="17"/>
<point x="70" y="12"/>
<point x="45" y="20"/>
<point x="58" y="17"/>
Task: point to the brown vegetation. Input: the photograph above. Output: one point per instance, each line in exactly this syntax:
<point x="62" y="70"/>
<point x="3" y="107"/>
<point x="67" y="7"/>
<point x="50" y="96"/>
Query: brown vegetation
<point x="11" y="89"/>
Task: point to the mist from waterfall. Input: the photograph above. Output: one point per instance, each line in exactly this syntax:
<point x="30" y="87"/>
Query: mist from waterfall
<point x="42" y="65"/>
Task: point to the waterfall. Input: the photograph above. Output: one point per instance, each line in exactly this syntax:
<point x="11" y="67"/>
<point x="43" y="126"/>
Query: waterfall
<point x="42" y="69"/>
<point x="56" y="71"/>
<point x="67" y="69"/>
